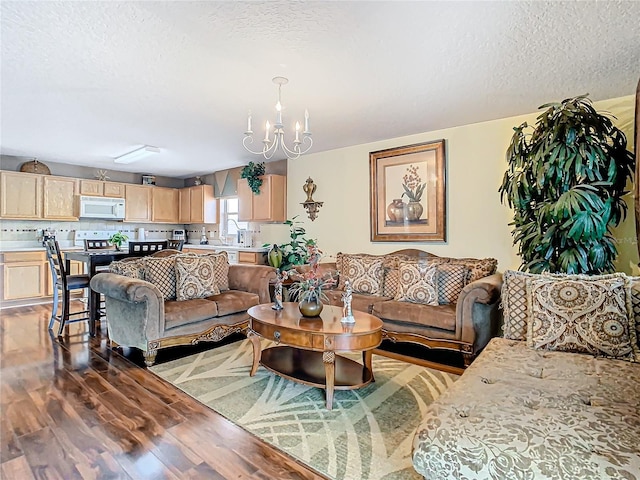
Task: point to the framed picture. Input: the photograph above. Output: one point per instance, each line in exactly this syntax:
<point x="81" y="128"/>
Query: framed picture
<point x="408" y="198"/>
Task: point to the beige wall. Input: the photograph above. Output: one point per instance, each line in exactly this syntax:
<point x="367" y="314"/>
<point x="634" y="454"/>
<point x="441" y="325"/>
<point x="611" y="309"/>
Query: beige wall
<point x="477" y="223"/>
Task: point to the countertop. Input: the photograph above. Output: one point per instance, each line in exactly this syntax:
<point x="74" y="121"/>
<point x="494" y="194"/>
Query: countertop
<point x="231" y="248"/>
<point x="17" y="246"/>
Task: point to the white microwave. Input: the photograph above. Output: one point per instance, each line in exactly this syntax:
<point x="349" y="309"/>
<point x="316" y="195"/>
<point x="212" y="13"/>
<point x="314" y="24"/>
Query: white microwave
<point x="102" y="207"/>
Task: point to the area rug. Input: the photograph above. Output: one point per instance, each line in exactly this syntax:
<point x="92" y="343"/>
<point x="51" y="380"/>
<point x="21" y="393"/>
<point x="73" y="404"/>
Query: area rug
<point x="367" y="436"/>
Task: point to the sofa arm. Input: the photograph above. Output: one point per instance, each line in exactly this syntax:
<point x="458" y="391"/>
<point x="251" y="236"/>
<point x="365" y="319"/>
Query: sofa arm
<point x="135" y="308"/>
<point x="252" y="279"/>
<point x="477" y="310"/>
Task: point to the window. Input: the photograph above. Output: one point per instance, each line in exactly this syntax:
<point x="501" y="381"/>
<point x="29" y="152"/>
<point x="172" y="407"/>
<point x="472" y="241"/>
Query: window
<point x="230" y="223"/>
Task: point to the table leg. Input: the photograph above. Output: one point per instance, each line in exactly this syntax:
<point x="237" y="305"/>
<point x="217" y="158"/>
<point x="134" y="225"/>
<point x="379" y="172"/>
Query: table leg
<point x="367" y="359"/>
<point x="329" y="359"/>
<point x="257" y="350"/>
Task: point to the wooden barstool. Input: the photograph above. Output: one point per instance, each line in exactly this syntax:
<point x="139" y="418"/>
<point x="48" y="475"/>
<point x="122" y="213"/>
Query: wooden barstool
<point x="175" y="244"/>
<point x="62" y="282"/>
<point x="147" y="247"/>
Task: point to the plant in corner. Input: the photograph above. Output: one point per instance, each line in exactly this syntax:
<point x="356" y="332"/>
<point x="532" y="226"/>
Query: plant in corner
<point x="118" y="239"/>
<point x="565" y="182"/>
<point x="296" y="251"/>
<point x="252" y="173"/>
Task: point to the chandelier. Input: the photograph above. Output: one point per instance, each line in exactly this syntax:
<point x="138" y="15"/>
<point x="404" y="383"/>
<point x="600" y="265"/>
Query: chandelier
<point x="271" y="145"/>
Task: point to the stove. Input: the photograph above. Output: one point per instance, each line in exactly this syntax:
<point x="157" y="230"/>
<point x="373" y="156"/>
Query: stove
<point x="81" y="235"/>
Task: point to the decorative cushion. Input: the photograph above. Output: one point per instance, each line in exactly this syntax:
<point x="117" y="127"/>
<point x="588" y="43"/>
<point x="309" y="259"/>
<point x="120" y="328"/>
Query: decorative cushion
<point x="195" y="277"/>
<point x="364" y="272"/>
<point x="514" y="304"/>
<point x="634" y="286"/>
<point x="391" y="280"/>
<point x="128" y="267"/>
<point x="162" y="273"/>
<point x="221" y="269"/>
<point x="580" y="314"/>
<point x="418" y="283"/>
<point x="451" y="280"/>
<point x="478" y="268"/>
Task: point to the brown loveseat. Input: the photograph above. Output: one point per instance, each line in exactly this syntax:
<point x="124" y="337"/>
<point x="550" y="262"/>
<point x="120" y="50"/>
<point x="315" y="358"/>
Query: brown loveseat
<point x="463" y="322"/>
<point x="149" y="316"/>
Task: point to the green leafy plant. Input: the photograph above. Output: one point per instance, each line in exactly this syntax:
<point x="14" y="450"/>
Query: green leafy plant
<point x="296" y="251"/>
<point x="252" y="173"/>
<point x="566" y="181"/>
<point x="310" y="283"/>
<point x="118" y="239"/>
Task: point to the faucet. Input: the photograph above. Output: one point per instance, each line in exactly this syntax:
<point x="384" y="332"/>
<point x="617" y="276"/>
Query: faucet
<point x="241" y="231"/>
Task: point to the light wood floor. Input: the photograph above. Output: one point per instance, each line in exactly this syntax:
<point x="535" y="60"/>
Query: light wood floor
<point x="73" y="408"/>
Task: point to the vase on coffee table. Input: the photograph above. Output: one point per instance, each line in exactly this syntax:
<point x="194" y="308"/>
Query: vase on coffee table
<point x="310" y="308"/>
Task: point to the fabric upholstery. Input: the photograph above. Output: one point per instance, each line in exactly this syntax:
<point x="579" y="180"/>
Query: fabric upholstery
<point x="359" y="301"/>
<point x="451" y="280"/>
<point x="419" y="315"/>
<point x="221" y="269"/>
<point x="195" y="277"/>
<point x="364" y="273"/>
<point x="514" y="305"/>
<point x="418" y="283"/>
<point x="580" y="314"/>
<point x="178" y="313"/>
<point x="129" y="267"/>
<point x="518" y="413"/>
<point x="478" y="267"/>
<point x="234" y="301"/>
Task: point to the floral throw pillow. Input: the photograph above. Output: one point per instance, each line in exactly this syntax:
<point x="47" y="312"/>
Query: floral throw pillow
<point x="221" y="269"/>
<point x="418" y="283"/>
<point x="364" y="273"/>
<point x="195" y="277"/>
<point x="583" y="315"/>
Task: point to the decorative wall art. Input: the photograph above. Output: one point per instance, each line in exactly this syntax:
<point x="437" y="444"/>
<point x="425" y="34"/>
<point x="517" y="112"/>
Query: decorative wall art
<point x="407" y="187"/>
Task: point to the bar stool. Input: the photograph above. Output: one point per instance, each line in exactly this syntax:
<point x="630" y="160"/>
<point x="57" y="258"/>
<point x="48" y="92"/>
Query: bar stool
<point x="147" y="247"/>
<point x="64" y="283"/>
<point x="175" y="244"/>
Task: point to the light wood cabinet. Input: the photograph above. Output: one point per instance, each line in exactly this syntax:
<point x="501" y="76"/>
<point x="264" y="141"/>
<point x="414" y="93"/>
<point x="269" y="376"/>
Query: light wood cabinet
<point x="138" y="203"/>
<point x="268" y="206"/>
<point x="165" y="204"/>
<point x="24" y="275"/>
<point x="252" y="258"/>
<point x="99" y="188"/>
<point x="60" y="198"/>
<point x="20" y="195"/>
<point x="198" y="205"/>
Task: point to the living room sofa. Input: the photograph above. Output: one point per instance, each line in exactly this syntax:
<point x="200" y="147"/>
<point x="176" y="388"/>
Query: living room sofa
<point x="462" y="318"/>
<point x="558" y="399"/>
<point x="146" y="308"/>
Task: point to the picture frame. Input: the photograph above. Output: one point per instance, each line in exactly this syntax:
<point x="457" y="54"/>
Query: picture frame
<point x="408" y="193"/>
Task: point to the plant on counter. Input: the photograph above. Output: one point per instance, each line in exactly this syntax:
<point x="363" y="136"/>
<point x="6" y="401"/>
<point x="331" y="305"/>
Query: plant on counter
<point x="296" y="252"/>
<point x="566" y="183"/>
<point x="252" y="173"/>
<point x="118" y="239"/>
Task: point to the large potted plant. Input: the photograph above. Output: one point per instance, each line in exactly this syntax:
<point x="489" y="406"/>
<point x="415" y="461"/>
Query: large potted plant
<point x="288" y="255"/>
<point x="566" y="182"/>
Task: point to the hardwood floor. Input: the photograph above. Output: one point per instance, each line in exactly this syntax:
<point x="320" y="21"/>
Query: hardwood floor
<point x="73" y="408"/>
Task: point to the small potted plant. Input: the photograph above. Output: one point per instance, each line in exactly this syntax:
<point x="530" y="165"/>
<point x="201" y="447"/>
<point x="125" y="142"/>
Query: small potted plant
<point x="309" y="284"/>
<point x="117" y="239"/>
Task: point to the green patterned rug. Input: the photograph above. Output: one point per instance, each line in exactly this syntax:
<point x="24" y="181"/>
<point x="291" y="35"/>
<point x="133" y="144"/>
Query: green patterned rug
<point x="368" y="434"/>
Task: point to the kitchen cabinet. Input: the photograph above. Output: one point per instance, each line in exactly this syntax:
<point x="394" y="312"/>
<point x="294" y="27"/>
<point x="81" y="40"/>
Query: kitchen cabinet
<point x="20" y="195"/>
<point x="198" y="205"/>
<point x="23" y="274"/>
<point x="137" y="203"/>
<point x="164" y="204"/>
<point x="252" y="258"/>
<point x="99" y="188"/>
<point x="268" y="206"/>
<point x="60" y="198"/>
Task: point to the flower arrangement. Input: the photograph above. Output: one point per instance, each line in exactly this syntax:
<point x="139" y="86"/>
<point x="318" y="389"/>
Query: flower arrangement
<point x="412" y="184"/>
<point x="310" y="283"/>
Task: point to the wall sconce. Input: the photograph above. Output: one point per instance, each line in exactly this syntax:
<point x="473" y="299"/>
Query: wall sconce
<point x="311" y="206"/>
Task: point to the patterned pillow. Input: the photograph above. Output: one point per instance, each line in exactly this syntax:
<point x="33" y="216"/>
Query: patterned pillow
<point x="451" y="280"/>
<point x="364" y="272"/>
<point x="418" y="283"/>
<point x="514" y="304"/>
<point x="195" y="277"/>
<point x="391" y="280"/>
<point x="221" y="269"/>
<point x="161" y="272"/>
<point x="478" y="268"/>
<point x="584" y="315"/>
<point x="634" y="287"/>
<point x="133" y="268"/>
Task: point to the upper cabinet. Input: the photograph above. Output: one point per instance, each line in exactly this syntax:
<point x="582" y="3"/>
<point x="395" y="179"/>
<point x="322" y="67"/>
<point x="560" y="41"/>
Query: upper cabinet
<point x="98" y="188"/>
<point x="20" y="195"/>
<point x="268" y="206"/>
<point x="165" y="203"/>
<point x="60" y="198"/>
<point x="137" y="203"/>
<point x="198" y="205"/>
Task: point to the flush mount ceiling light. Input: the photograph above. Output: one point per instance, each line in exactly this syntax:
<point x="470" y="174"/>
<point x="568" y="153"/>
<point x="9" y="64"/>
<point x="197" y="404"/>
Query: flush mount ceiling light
<point x="269" y="146"/>
<point x="137" y="154"/>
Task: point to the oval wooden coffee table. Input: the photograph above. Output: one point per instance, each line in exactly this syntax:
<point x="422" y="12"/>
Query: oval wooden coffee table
<point x="305" y="351"/>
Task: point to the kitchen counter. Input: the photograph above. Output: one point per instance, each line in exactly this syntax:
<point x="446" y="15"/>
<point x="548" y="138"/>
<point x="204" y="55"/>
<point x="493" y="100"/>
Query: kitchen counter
<point x="230" y="248"/>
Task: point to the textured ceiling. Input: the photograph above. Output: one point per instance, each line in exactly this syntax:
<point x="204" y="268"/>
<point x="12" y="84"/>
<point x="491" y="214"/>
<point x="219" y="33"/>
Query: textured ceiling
<point x="83" y="82"/>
